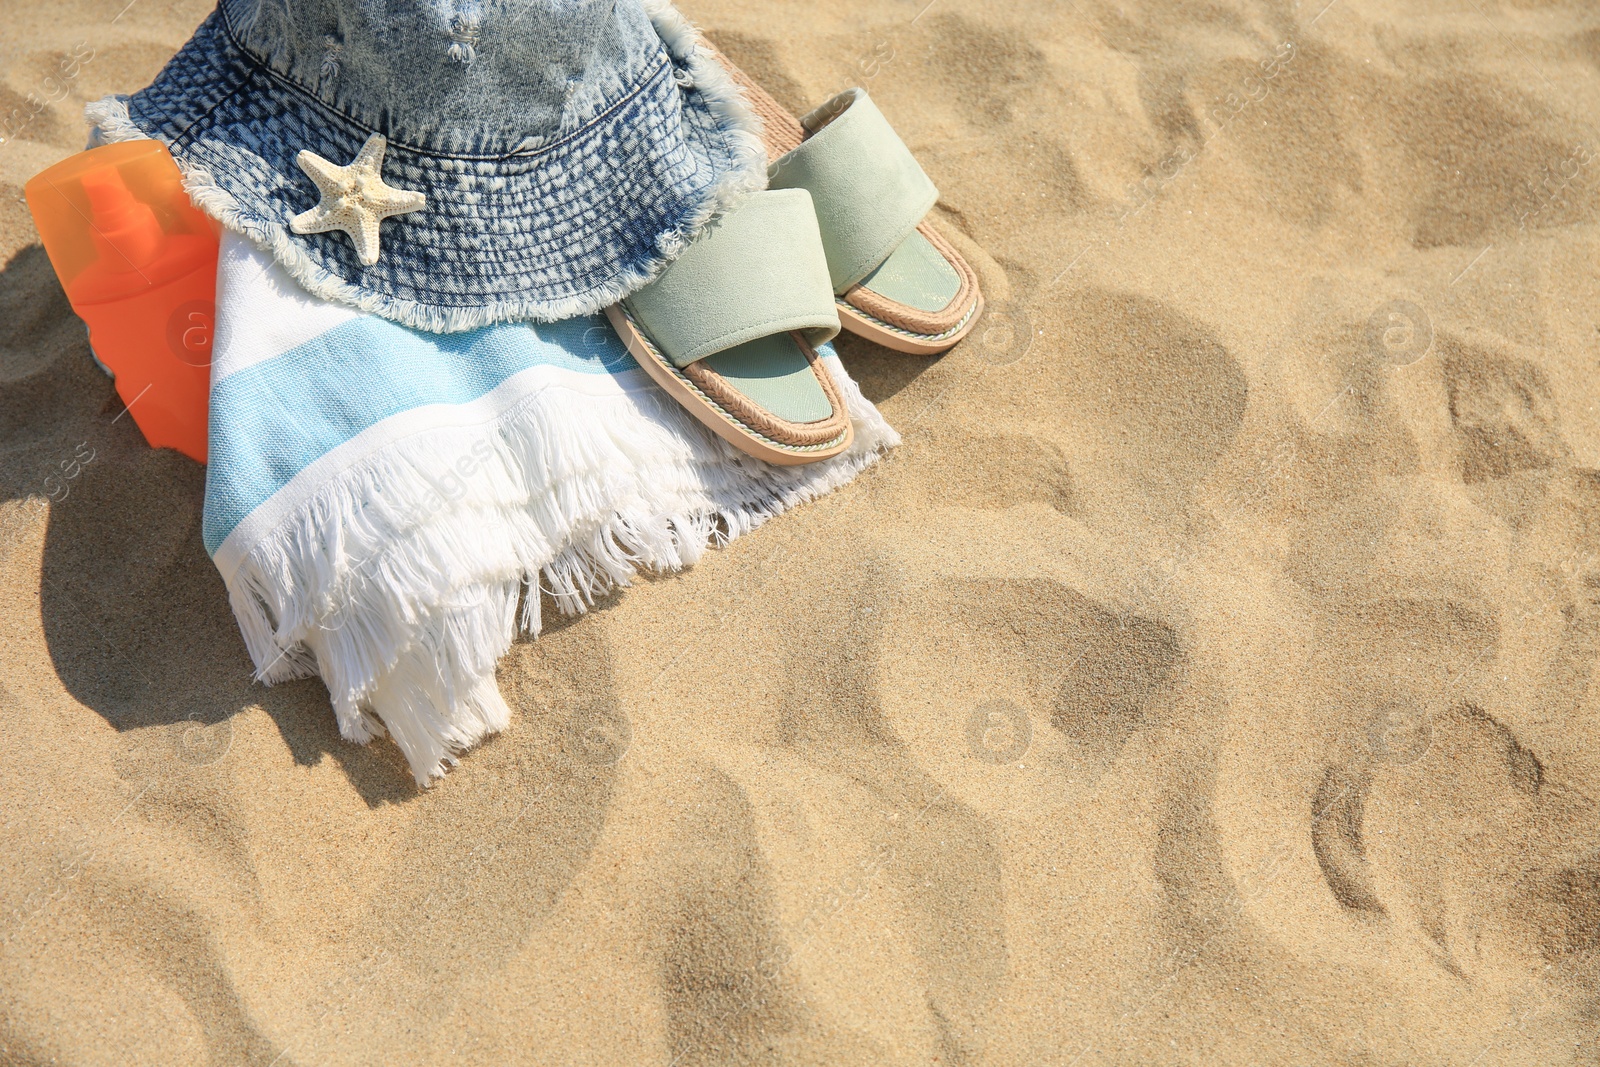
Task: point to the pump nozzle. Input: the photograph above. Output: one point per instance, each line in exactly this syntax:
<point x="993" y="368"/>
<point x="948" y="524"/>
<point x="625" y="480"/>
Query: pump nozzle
<point x="124" y="229"/>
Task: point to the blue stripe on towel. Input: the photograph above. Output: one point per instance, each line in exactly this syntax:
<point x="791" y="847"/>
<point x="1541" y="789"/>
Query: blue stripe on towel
<point x="280" y="415"/>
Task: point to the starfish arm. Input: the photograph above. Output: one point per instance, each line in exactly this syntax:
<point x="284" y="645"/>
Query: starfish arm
<point x="326" y="175"/>
<point x="364" y="232"/>
<point x="314" y="220"/>
<point x="371" y="154"/>
<point x="399" y="201"/>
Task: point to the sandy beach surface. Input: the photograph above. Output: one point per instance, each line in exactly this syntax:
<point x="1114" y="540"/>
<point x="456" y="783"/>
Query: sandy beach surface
<point x="1209" y="679"/>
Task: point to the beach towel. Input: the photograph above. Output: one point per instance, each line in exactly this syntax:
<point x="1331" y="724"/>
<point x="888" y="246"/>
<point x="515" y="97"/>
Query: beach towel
<point x="389" y="507"/>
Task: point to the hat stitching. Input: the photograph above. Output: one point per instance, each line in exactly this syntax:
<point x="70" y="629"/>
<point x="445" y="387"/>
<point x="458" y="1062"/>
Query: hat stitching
<point x="646" y="74"/>
<point x="724" y="129"/>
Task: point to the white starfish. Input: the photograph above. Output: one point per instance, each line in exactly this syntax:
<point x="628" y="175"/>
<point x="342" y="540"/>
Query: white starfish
<point x="354" y="197"/>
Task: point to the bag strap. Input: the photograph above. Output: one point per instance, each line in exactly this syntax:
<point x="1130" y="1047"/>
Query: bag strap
<point x="756" y="271"/>
<point x="869" y="191"/>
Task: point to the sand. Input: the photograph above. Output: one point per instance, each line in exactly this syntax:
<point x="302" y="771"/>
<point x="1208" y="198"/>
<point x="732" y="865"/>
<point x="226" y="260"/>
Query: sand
<point x="1207" y="680"/>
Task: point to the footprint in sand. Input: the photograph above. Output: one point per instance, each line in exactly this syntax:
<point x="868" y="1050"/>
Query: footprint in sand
<point x="1487" y="165"/>
<point x="1018" y="695"/>
<point x="1453" y="816"/>
<point x="1504" y="425"/>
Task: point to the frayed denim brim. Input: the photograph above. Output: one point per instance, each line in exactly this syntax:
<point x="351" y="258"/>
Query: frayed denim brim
<point x="562" y="230"/>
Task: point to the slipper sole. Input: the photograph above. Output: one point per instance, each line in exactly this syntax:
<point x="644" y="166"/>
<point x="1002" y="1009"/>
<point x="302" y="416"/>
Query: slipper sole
<point x="860" y="323"/>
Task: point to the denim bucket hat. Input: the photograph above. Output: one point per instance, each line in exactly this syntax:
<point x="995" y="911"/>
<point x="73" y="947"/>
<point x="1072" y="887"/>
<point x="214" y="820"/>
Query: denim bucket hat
<point x="453" y="164"/>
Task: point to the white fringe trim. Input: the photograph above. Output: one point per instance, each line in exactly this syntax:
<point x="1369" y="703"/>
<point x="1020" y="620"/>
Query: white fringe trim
<point x="403" y="601"/>
<point x="111" y="122"/>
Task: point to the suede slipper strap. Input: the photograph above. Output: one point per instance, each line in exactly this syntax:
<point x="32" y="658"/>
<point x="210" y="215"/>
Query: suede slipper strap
<point x="759" y="270"/>
<point x="870" y="193"/>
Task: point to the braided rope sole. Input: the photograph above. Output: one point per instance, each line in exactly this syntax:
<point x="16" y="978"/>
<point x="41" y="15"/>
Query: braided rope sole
<point x="932" y="338"/>
<point x="662" y="361"/>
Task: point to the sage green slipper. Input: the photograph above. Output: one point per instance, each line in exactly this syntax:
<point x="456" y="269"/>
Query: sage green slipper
<point x="729" y="329"/>
<point x="896" y="280"/>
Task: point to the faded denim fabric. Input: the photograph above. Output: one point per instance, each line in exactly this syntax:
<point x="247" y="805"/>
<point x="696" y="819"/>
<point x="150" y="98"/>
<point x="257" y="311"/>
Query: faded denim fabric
<point x="568" y="149"/>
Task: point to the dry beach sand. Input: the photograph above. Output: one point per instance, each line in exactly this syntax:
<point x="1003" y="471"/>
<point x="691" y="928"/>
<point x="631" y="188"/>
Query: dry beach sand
<point x="1207" y="680"/>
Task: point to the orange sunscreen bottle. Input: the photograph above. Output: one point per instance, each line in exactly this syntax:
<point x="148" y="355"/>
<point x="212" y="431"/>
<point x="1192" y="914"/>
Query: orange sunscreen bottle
<point x="139" y="264"/>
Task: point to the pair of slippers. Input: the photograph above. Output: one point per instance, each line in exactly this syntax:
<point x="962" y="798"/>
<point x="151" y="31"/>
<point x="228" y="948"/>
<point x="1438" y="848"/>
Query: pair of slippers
<point x="839" y="239"/>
